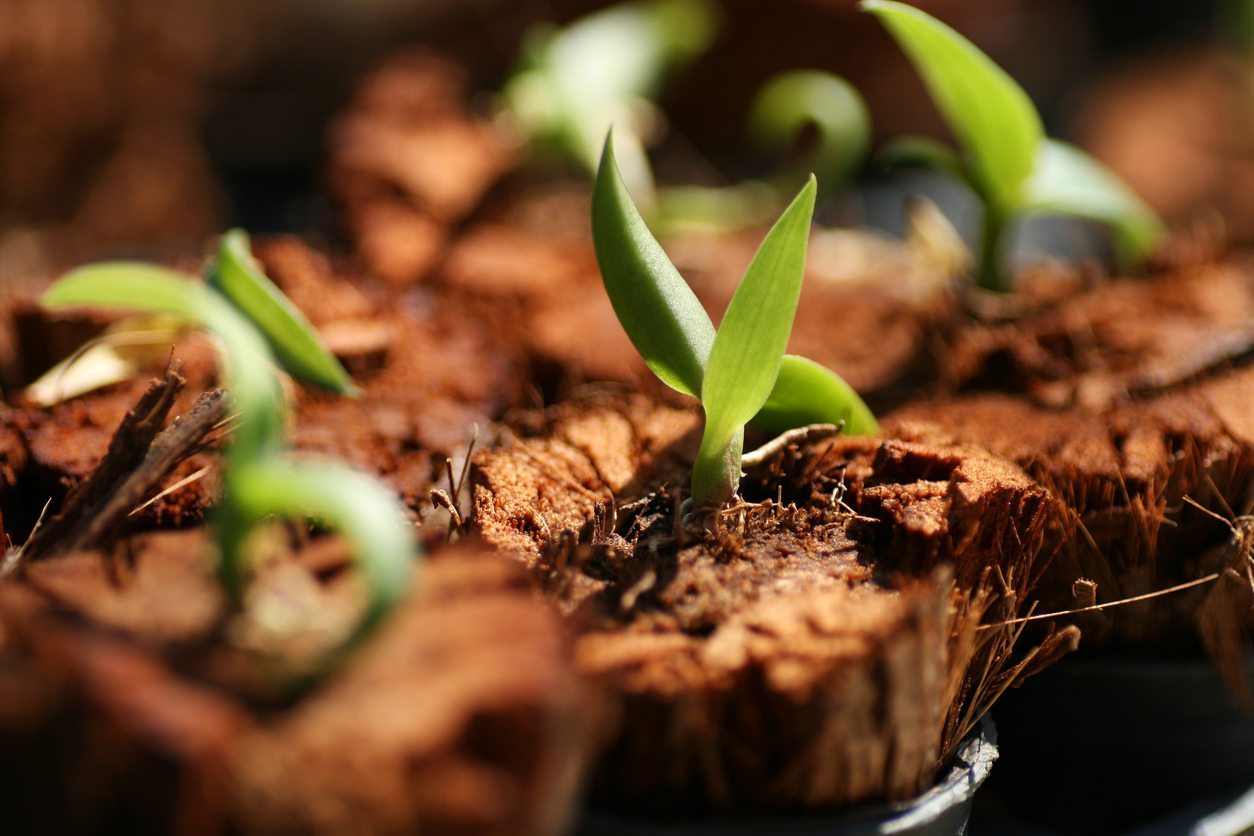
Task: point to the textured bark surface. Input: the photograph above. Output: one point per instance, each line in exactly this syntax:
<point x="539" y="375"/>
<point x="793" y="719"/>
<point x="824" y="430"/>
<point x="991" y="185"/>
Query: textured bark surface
<point x="1123" y="402"/>
<point x="810" y="654"/>
<point x="461" y="716"/>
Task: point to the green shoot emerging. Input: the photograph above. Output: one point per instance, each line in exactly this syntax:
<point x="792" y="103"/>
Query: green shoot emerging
<point x="739" y="371"/>
<point x="573" y="83"/>
<point x="791" y="102"/>
<point x="1009" y="162"/>
<point x="255" y="325"/>
<point x="238" y="277"/>
<point x="820" y="107"/>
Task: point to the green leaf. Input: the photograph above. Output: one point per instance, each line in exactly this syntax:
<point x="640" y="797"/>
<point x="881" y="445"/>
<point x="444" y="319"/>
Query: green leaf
<point x="807" y="393"/>
<point x="1068" y="181"/>
<point x="144" y="287"/>
<point x="657" y="309"/>
<point x="578" y="80"/>
<point x="792" y="101"/>
<point x="238" y="277"/>
<point x="749" y="348"/>
<point x="130" y="285"/>
<point x="985" y="108"/>
<point x="356" y="505"/>
<point x="923" y="151"/>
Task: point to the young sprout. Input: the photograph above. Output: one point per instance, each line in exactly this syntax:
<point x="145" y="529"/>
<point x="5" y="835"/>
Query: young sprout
<point x="1009" y="162"/>
<point x="739" y="371"/>
<point x="574" y="82"/>
<point x="255" y="325"/>
<point x="821" y="108"/>
<point x="604" y="69"/>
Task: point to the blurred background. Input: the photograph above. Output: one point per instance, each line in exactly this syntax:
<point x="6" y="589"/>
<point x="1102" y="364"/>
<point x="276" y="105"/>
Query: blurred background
<point x="132" y="126"/>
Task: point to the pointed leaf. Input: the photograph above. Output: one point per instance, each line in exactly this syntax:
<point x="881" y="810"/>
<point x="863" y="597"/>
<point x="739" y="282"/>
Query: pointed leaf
<point x="131" y="285"/>
<point x="807" y="393"/>
<point x="144" y="287"/>
<point x="1068" y="181"/>
<point x="749" y="348"/>
<point x="986" y="109"/>
<point x="238" y="277"/>
<point x="657" y="309"/>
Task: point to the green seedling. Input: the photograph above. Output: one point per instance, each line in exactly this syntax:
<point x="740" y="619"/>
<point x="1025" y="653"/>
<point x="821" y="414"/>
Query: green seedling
<point x="255" y="326"/>
<point x="817" y="106"/>
<point x="739" y="372"/>
<point x="1008" y="161"/>
<point x="603" y="69"/>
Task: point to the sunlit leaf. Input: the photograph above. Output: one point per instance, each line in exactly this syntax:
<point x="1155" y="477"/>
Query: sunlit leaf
<point x="657" y="309"/>
<point x="1070" y="182"/>
<point x="807" y="393"/>
<point x="577" y="81"/>
<point x="130" y="285"/>
<point x="793" y="101"/>
<point x="749" y="347"/>
<point x="985" y="108"/>
<point x="293" y="340"/>
<point x="97" y="366"/>
<point x="144" y="287"/>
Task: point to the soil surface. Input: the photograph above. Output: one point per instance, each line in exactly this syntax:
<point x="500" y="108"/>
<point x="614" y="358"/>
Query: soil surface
<point x="813" y="652"/>
<point x="429" y="376"/>
<point x="826" y="642"/>
<point x="1123" y="401"/>
<point x="463" y="715"/>
<point x="521" y="255"/>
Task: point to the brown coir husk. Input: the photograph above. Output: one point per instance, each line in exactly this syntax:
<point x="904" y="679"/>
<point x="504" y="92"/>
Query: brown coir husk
<point x="1124" y="401"/>
<point x="409" y="161"/>
<point x="432" y="194"/>
<point x="806" y="655"/>
<point x="428" y="374"/>
<point x="123" y="709"/>
<point x="872" y="310"/>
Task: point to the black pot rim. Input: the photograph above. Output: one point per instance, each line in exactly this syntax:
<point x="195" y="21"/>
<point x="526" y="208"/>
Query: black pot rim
<point x="952" y="794"/>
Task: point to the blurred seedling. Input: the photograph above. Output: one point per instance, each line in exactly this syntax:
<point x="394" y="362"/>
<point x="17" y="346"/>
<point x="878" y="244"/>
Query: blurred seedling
<point x="1007" y="160"/>
<point x="607" y="68"/>
<point x="739" y="372"/>
<point x="256" y="327"/>
<point x="817" y="116"/>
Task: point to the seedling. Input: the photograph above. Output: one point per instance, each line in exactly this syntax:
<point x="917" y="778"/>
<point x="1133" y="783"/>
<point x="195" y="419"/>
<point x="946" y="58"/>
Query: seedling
<point x="255" y="326"/>
<point x="603" y="69"/>
<point x="606" y="68"/>
<point x="739" y="371"/>
<point x="818" y="106"/>
<point x="1009" y="162"/>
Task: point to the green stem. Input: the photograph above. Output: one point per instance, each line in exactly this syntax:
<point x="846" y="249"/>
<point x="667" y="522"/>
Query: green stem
<point x="357" y="506"/>
<point x="716" y="473"/>
<point x="990" y="275"/>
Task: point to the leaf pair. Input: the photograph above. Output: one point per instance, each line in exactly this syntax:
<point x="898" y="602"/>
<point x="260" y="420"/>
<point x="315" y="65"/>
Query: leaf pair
<point x="1009" y="161"/>
<point x="255" y="325"/>
<point x="737" y="370"/>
